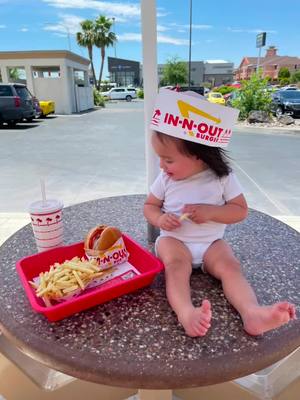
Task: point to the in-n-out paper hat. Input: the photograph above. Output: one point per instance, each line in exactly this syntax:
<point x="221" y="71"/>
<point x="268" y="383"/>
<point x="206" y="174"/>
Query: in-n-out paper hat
<point x="189" y="116"/>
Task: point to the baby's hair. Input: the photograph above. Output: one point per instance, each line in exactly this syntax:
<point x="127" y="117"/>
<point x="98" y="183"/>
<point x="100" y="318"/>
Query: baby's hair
<point x="215" y="158"/>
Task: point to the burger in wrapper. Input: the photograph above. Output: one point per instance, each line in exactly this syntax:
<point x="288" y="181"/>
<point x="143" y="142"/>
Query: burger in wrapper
<point x="106" y="245"/>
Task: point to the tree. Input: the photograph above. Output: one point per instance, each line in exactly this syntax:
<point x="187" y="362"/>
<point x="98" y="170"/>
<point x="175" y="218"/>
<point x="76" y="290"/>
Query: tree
<point x="86" y="39"/>
<point x="295" y="77"/>
<point x="253" y="95"/>
<point x="284" y="73"/>
<point x="174" y="72"/>
<point x="103" y="38"/>
<point x="14" y="74"/>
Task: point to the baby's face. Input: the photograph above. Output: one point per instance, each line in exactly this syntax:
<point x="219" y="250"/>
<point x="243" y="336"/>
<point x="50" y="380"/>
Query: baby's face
<point x="175" y="164"/>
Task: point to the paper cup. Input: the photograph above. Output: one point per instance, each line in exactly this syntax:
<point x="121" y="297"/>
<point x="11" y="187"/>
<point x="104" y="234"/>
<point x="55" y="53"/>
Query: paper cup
<point x="47" y="223"/>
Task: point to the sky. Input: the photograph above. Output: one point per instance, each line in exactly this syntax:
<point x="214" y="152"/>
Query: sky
<point x="221" y="30"/>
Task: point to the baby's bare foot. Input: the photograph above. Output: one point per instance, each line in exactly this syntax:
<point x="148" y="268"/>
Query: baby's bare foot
<point x="196" y="321"/>
<point x="265" y="318"/>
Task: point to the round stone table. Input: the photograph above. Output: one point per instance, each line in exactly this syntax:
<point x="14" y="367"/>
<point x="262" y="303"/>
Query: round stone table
<point x="135" y="341"/>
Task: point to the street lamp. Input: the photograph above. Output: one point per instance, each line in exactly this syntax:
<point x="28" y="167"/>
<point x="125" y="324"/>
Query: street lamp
<point x="190" y="44"/>
<point x="53" y="28"/>
<point x="114" y="31"/>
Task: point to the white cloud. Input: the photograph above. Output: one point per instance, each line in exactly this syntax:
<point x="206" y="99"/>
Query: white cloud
<point x="161" y="28"/>
<point x="194" y="26"/>
<point x="24" y="29"/>
<point x="171" y="40"/>
<point x="130" y="37"/>
<point x="137" y="37"/>
<point x="2" y="26"/>
<point x="67" y="24"/>
<point x="114" y="9"/>
<point x="242" y="30"/>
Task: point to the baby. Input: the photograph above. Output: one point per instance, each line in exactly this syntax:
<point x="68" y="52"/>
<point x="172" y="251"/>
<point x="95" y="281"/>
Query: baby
<point x="197" y="180"/>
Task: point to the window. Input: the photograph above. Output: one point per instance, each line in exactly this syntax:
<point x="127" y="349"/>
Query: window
<point x="5" y="91"/>
<point x="23" y="92"/>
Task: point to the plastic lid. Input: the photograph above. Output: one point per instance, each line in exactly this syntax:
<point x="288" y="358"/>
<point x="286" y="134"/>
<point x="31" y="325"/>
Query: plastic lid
<point x="50" y="205"/>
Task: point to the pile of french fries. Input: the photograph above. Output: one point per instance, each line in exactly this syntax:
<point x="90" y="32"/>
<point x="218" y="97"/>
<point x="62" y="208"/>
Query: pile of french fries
<point x="63" y="280"/>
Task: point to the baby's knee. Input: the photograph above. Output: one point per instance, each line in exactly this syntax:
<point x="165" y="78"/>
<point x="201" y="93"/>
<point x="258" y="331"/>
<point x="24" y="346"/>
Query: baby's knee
<point x="229" y="266"/>
<point x="176" y="264"/>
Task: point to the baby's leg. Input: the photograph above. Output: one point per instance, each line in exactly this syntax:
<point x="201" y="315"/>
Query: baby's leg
<point x="220" y="262"/>
<point x="177" y="260"/>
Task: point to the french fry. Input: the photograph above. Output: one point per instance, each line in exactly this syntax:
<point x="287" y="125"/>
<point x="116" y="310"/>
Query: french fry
<point x="65" y="278"/>
<point x="184" y="216"/>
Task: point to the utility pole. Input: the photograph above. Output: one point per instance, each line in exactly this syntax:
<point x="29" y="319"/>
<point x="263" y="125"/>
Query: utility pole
<point x="114" y="31"/>
<point x="52" y="27"/>
<point x="69" y="39"/>
<point x="190" y="44"/>
<point x="260" y="42"/>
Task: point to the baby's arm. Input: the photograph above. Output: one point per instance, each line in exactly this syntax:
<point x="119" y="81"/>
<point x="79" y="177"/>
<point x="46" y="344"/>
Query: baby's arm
<point x="155" y="216"/>
<point x="234" y="210"/>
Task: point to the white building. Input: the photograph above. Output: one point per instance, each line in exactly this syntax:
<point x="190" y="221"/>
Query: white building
<point x="216" y="72"/>
<point x="58" y="75"/>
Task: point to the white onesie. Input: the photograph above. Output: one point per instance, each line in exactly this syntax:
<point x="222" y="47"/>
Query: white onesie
<point x="202" y="188"/>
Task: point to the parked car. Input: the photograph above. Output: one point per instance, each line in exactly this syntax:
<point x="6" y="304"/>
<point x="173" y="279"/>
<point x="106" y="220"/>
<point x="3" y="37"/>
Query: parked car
<point x="16" y="103"/>
<point x="120" y="93"/>
<point x="198" y="89"/>
<point x="37" y="108"/>
<point x="47" y="107"/>
<point x="231" y="96"/>
<point x="215" y="97"/>
<point x="289" y="87"/>
<point x="286" y="102"/>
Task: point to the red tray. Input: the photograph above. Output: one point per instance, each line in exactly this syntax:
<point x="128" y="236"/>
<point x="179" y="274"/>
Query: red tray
<point x="29" y="267"/>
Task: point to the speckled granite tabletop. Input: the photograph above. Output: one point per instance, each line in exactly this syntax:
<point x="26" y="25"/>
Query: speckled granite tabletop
<point x="135" y="340"/>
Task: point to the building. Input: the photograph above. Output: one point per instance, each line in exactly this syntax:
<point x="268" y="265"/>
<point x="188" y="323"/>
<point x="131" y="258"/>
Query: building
<point x="58" y="75"/>
<point x="218" y="72"/>
<point x="214" y="72"/>
<point x="197" y="72"/>
<point x="270" y="65"/>
<point x="124" y="72"/>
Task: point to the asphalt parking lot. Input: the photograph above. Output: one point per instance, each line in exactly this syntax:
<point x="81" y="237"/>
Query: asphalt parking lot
<point x="102" y="153"/>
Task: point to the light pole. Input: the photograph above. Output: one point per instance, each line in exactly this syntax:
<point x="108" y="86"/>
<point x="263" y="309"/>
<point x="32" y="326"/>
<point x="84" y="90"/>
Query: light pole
<point x="53" y="25"/>
<point x="190" y="43"/>
<point x="114" y="31"/>
<point x="69" y="38"/>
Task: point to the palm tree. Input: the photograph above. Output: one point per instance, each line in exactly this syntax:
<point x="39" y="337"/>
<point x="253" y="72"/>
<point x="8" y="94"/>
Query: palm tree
<point x="103" y="38"/>
<point x="86" y="39"/>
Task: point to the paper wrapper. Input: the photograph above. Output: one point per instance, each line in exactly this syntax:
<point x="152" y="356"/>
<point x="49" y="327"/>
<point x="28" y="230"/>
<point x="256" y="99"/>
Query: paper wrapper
<point x="115" y="255"/>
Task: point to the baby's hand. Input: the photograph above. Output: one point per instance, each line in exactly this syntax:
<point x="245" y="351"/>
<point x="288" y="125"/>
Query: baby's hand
<point x="168" y="222"/>
<point x="199" y="213"/>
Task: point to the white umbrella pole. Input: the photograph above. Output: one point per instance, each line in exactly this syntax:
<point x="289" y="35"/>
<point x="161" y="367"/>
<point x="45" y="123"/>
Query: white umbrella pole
<point x="149" y="41"/>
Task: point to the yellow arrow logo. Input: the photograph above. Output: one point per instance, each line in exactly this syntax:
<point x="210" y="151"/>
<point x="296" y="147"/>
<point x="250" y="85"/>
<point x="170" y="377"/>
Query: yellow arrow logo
<point x="186" y="108"/>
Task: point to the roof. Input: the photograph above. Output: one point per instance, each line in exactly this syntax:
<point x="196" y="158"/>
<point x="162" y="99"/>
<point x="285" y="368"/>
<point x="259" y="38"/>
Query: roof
<point x="218" y="62"/>
<point x="13" y="55"/>
<point x="275" y="60"/>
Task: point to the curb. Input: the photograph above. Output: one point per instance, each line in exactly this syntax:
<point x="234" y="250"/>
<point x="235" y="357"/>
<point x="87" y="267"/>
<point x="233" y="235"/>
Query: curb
<point x="268" y="130"/>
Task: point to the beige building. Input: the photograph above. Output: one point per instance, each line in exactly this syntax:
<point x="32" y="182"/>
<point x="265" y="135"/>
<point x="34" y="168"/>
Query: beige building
<point x="58" y="75"/>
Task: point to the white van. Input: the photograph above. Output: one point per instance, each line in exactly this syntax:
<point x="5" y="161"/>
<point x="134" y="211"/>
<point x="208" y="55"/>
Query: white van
<point x="120" y="93"/>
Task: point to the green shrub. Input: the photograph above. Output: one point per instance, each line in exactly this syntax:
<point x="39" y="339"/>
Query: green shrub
<point x="98" y="98"/>
<point x="253" y="96"/>
<point x="284" y="81"/>
<point x="140" y="93"/>
<point x="224" y="89"/>
<point x="295" y="77"/>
